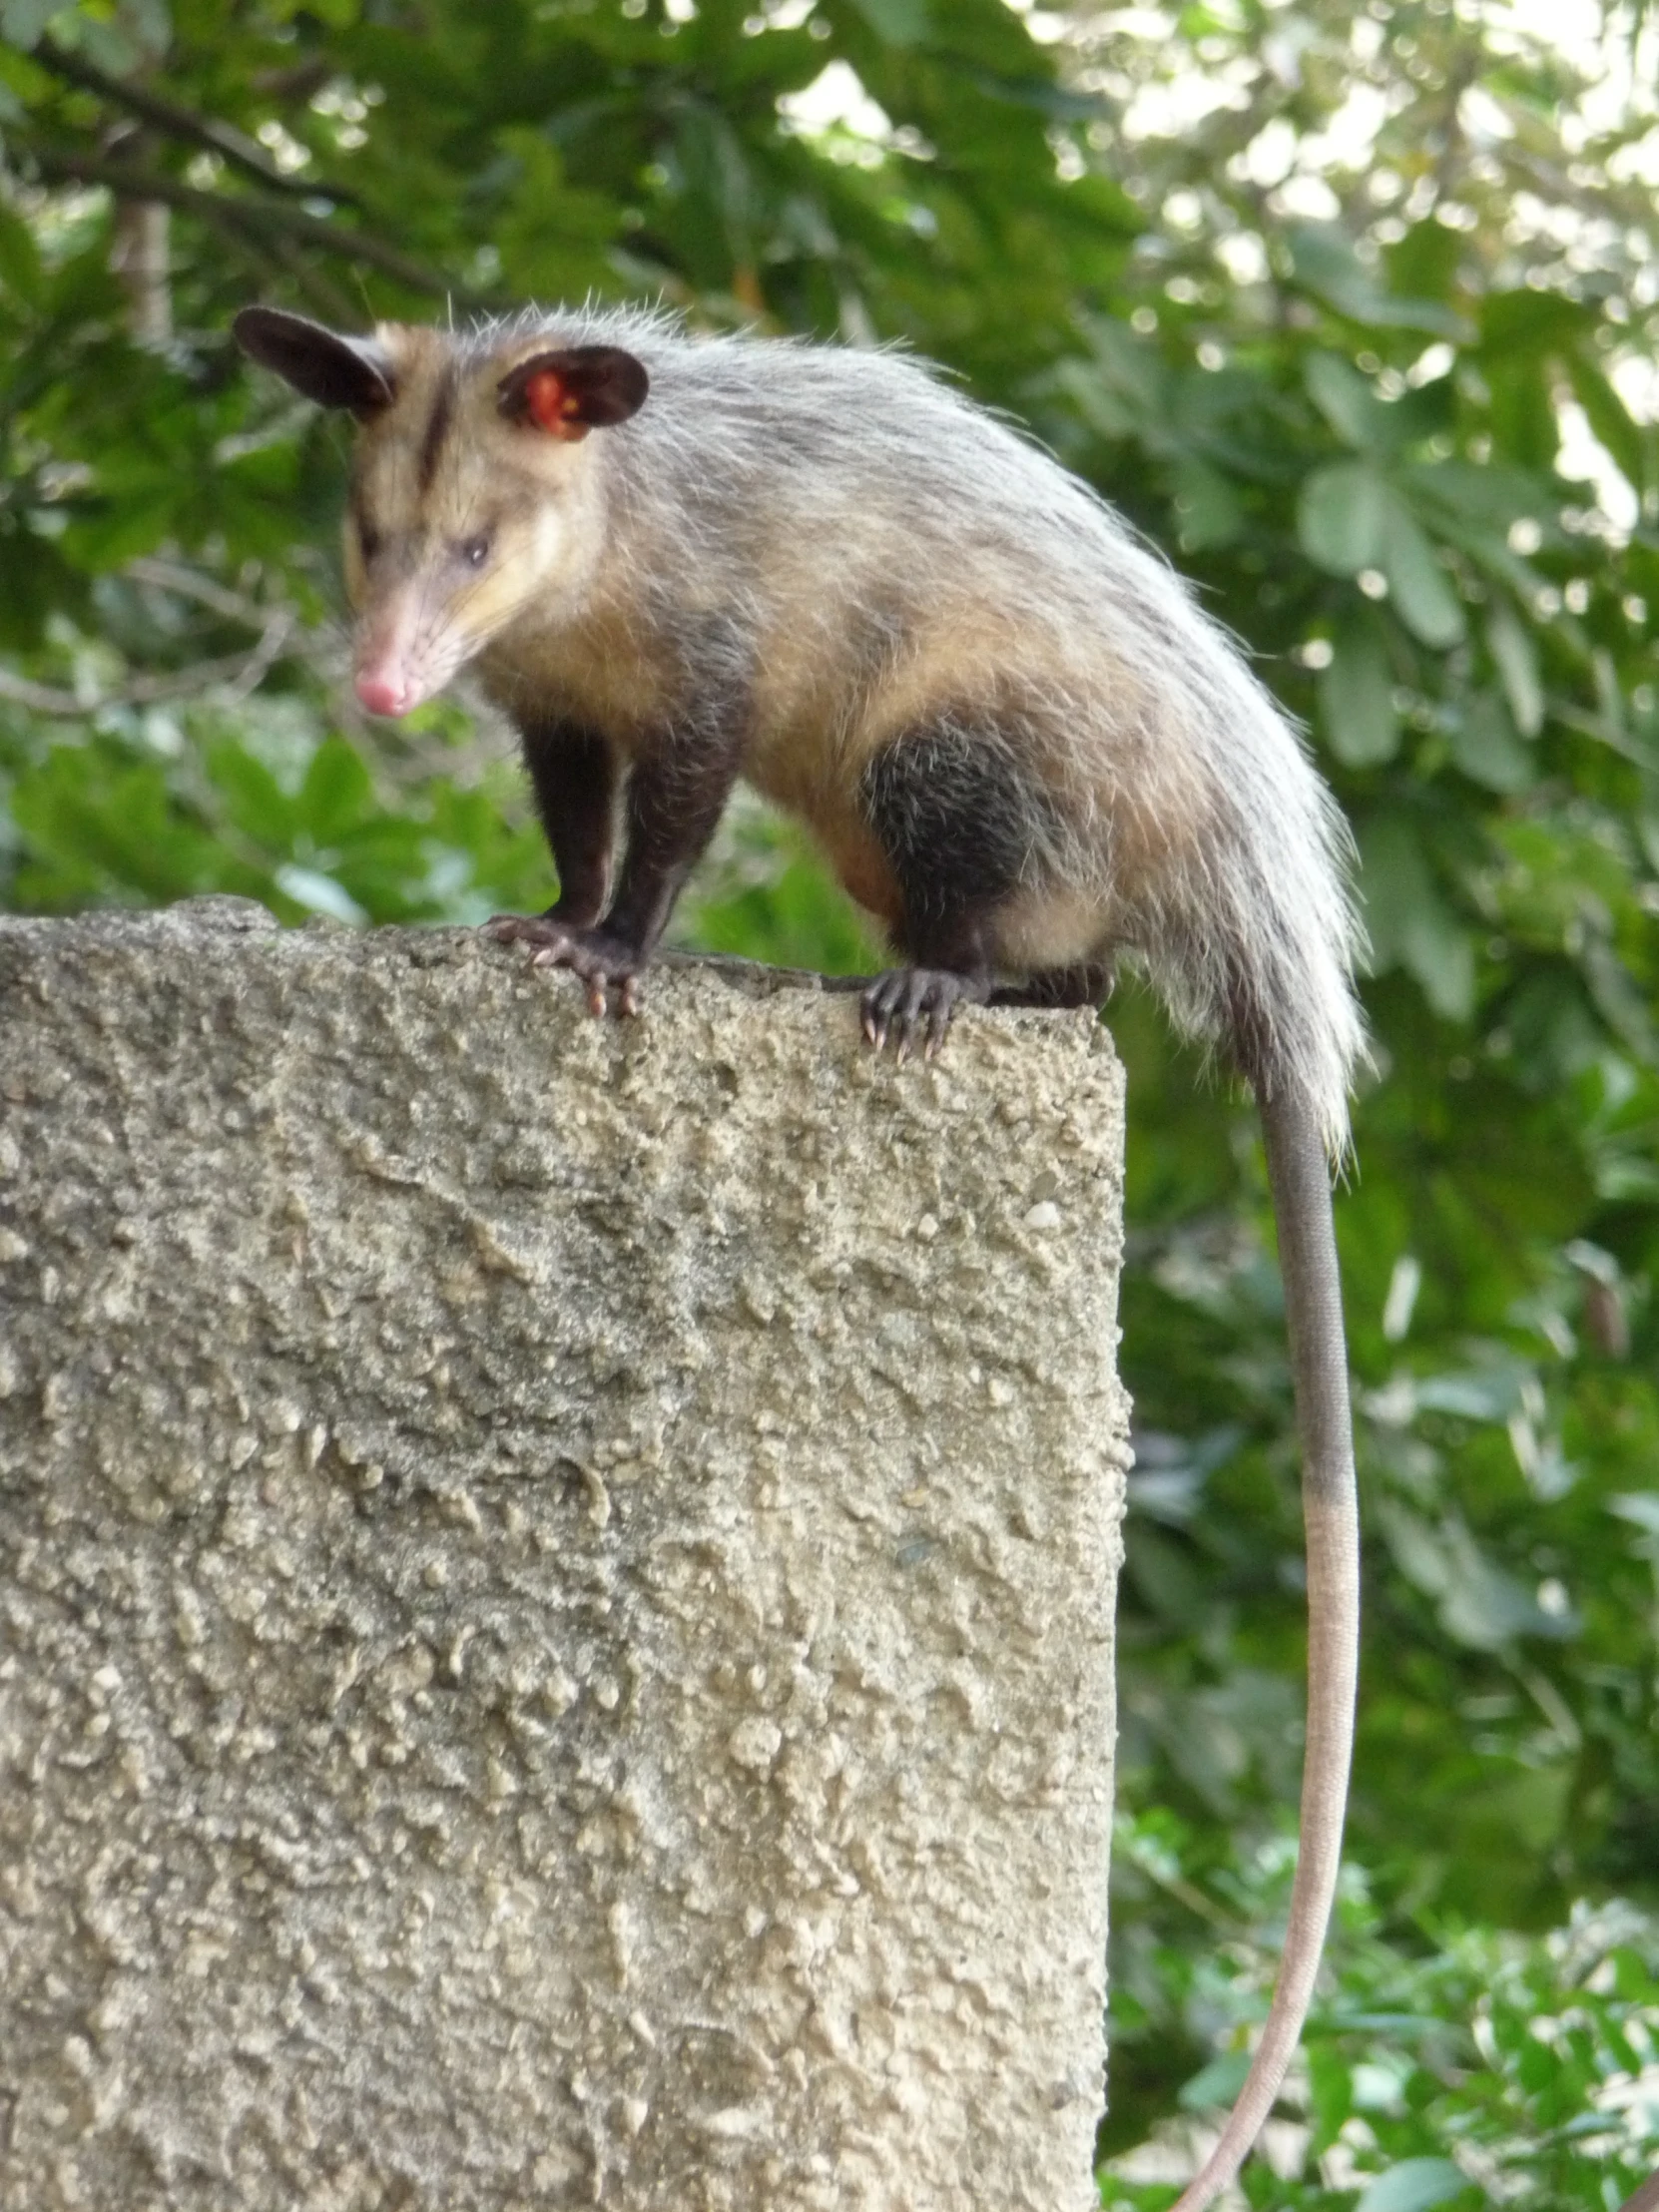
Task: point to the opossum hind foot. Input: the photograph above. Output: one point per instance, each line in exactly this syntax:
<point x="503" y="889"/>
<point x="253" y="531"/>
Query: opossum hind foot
<point x="914" y="1005"/>
<point x="603" y="962"/>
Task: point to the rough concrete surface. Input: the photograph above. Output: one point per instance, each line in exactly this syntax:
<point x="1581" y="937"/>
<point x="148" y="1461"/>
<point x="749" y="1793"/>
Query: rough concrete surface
<point x="555" y="1586"/>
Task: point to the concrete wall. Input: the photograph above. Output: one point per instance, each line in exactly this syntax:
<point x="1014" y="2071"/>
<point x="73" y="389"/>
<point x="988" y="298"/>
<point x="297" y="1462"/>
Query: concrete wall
<point x="555" y="1586"/>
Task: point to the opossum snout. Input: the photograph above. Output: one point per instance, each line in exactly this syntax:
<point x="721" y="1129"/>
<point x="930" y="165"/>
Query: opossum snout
<point x="384" y="694"/>
<point x="395" y="666"/>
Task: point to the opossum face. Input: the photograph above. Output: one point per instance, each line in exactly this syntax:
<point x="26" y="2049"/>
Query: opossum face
<point x="474" y="499"/>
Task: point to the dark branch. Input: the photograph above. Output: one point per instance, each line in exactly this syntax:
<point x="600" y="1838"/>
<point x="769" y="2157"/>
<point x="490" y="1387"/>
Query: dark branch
<point x="168" y="117"/>
<point x="162" y="574"/>
<point x="242" y="672"/>
<point x="268" y="222"/>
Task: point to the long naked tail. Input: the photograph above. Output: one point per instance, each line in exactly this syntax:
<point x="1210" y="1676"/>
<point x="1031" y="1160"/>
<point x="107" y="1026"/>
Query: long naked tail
<point x="1300" y="1176"/>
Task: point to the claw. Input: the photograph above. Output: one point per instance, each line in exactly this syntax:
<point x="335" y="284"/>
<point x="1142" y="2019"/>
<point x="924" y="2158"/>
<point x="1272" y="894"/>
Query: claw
<point x="601" y="963"/>
<point x="914" y="1006"/>
<point x="531" y="930"/>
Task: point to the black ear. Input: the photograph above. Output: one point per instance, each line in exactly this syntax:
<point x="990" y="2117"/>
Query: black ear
<point x="574" y="389"/>
<point x="333" y="370"/>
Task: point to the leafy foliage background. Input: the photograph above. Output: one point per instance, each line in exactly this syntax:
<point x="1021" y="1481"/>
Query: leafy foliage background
<point x="1353" y="312"/>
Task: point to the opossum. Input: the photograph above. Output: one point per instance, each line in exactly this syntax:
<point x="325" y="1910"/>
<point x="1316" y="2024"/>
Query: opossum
<point x="676" y="560"/>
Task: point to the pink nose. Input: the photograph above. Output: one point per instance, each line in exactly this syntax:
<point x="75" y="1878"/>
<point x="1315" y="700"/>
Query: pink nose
<point x="384" y="695"/>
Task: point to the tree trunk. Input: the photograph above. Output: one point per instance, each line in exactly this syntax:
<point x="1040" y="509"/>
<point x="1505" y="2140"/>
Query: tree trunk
<point x="556" y="1585"/>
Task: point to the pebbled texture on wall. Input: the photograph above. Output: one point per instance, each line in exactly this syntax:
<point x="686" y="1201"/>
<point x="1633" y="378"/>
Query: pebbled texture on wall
<point x="556" y="1585"/>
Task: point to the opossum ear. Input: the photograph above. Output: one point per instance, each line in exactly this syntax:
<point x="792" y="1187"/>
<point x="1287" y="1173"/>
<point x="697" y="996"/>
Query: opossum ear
<point x="334" y="371"/>
<point x="574" y="390"/>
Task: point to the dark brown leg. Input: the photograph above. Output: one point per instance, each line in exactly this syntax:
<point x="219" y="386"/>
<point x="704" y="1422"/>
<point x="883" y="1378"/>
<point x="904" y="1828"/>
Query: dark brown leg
<point x="574" y="772"/>
<point x="676" y="791"/>
<point x="576" y="791"/>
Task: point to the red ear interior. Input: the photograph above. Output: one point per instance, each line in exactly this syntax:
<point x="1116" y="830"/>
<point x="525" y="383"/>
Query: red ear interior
<point x="572" y="389"/>
<point x="550" y="403"/>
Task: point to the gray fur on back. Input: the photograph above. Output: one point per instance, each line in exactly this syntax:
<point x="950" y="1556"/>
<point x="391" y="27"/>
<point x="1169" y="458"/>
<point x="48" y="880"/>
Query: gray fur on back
<point x="918" y="504"/>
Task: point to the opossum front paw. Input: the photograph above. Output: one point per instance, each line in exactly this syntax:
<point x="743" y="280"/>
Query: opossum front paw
<point x="915" y="1005"/>
<point x="602" y="961"/>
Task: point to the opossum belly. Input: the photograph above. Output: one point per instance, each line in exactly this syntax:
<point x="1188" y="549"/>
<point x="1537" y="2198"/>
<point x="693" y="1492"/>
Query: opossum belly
<point x="841" y="834"/>
<point x="863" y="872"/>
<point x="802" y="771"/>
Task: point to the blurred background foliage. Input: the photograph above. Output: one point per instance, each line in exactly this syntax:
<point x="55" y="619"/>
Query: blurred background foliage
<point x="1352" y="309"/>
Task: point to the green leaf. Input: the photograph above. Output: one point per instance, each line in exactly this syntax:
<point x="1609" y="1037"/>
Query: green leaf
<point x="318" y="894"/>
<point x="1207" y="506"/>
<point x="1343" y="517"/>
<point x="1407" y="920"/>
<point x="1532" y="1808"/>
<point x="1422" y="592"/>
<point x="1485" y="748"/>
<point x="1479" y="1394"/>
<point x="1524" y="427"/>
<point x="255" y="801"/>
<point x="1414" y="2185"/>
<point x="1415" y="1547"/>
<point x="1530" y="322"/>
<point x="1331" y="2092"/>
<point x="1424" y="264"/>
<point x="1216" y="2084"/>
<point x="1489" y="493"/>
<point x="1324" y="263"/>
<point x="1631" y="443"/>
<point x="1487" y="1607"/>
<point x="1346" y="402"/>
<point x="21" y="21"/>
<point x="336" y="794"/>
<point x="150" y="23"/>
<point x="1515" y="656"/>
<point x="1355" y="694"/>
<point x="20" y="270"/>
<point x="131" y="522"/>
<point x="899" y="22"/>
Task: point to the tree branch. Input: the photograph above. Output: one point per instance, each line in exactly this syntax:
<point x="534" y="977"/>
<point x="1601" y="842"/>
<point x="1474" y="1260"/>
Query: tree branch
<point x="241" y="671"/>
<point x="168" y="117"/>
<point x="139" y="261"/>
<point x="190" y="583"/>
<point x="267" y="222"/>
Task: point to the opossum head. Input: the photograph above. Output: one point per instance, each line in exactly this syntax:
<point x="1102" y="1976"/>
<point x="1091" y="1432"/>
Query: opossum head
<point x="474" y="498"/>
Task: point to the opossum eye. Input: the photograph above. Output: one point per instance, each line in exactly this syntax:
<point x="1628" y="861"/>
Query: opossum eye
<point x="370" y="540"/>
<point x="474" y="552"/>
